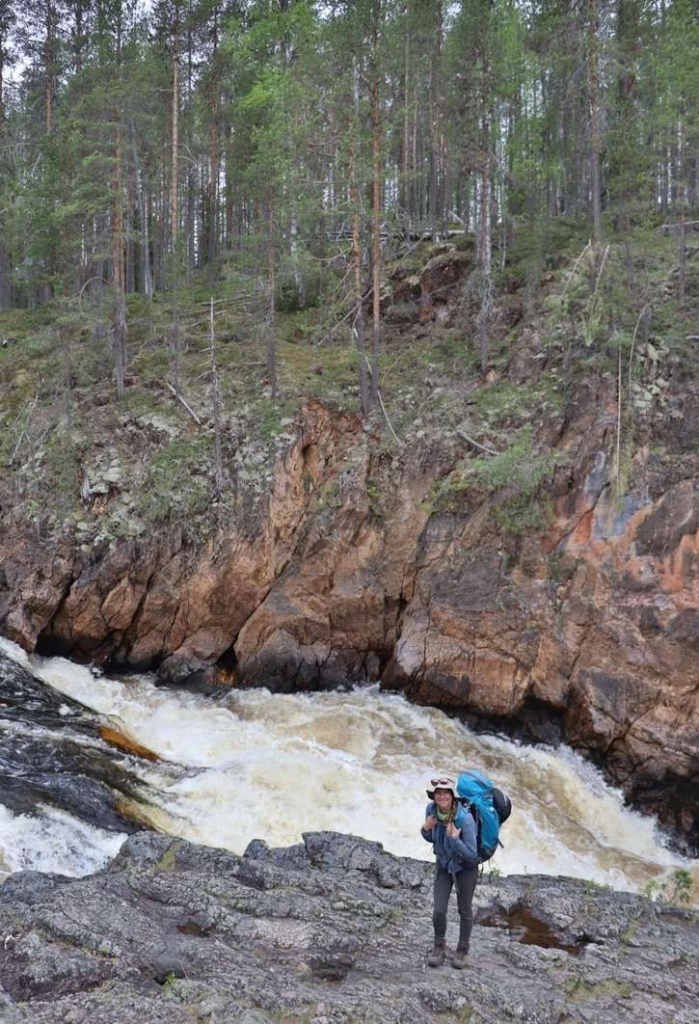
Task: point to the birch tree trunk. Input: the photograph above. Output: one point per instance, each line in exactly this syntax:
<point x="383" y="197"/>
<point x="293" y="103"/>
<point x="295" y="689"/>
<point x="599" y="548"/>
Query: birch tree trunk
<point x="212" y="253"/>
<point x="145" y="268"/>
<point x="299" y="283"/>
<point x="681" y="197"/>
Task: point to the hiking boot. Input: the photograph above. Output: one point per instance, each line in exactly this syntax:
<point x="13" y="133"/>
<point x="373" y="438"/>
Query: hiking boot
<point x="438" y="954"/>
<point x="459" y="958"/>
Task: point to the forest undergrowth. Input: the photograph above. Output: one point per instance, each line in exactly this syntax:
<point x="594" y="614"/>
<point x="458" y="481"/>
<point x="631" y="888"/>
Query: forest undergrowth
<point x="565" y="318"/>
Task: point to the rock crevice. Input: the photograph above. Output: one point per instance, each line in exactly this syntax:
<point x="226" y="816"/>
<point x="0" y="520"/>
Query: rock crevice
<point x="347" y="572"/>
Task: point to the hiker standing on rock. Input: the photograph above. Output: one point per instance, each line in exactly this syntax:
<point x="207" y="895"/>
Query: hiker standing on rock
<point x="452" y="831"/>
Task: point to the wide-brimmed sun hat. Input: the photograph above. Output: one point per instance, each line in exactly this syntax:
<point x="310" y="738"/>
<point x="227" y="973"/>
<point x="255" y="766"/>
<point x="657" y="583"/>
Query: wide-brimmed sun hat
<point x="441" y="782"/>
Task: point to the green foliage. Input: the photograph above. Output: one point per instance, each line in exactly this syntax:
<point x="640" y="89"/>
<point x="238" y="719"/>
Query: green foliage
<point x="520" y="467"/>
<point x="520" y="515"/>
<point x="177" y="484"/>
<point x="677" y="889"/>
<point x="651" y="889"/>
<point x="514" y="478"/>
<point x="506" y="404"/>
<point x="450" y="494"/>
<point x="61" y="467"/>
<point x="519" y="473"/>
<point x="288" y="89"/>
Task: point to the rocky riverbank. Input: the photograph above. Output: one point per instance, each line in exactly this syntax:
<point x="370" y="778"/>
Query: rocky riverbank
<point x="331" y="930"/>
<point x="541" y="578"/>
<point x="353" y="565"/>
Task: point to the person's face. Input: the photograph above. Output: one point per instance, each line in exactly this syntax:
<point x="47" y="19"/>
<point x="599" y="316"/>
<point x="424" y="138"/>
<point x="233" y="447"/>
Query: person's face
<point x="443" y="798"/>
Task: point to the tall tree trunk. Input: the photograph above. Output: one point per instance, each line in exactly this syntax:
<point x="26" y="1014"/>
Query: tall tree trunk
<point x="174" y="198"/>
<point x="681" y="194"/>
<point x="130" y="277"/>
<point x="118" y="269"/>
<point x="212" y="236"/>
<point x="5" y="276"/>
<point x="271" y="312"/>
<point x="432" y="182"/>
<point x="5" y="262"/>
<point x="50" y="62"/>
<point x="216" y="406"/>
<point x="445" y="191"/>
<point x="229" y="205"/>
<point x="405" y="155"/>
<point x="190" y="234"/>
<point x="144" y="260"/>
<point x="376" y="202"/>
<point x="3" y="44"/>
<point x="484" y="226"/>
<point x="175" y="140"/>
<point x="299" y="282"/>
<point x="80" y="36"/>
<point x="593" y="88"/>
<point x="433" y="116"/>
<point x="359" y="326"/>
<point x="414" y="191"/>
<point x="627" y="150"/>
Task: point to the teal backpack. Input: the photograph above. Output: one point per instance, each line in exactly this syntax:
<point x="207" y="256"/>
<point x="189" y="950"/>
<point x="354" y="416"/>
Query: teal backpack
<point x="489" y="806"/>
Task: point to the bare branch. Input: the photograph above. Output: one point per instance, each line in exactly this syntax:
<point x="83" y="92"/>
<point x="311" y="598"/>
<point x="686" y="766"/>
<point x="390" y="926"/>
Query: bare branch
<point x="182" y="402"/>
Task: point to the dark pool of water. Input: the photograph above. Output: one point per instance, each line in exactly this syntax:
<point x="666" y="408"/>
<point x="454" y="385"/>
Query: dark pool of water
<point x="524" y="926"/>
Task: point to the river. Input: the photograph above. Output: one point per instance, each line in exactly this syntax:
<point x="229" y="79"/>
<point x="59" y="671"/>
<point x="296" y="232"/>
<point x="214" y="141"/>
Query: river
<point x="248" y="764"/>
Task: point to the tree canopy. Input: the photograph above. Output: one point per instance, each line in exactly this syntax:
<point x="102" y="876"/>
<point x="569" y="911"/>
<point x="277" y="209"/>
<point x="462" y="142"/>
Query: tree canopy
<point x="145" y="145"/>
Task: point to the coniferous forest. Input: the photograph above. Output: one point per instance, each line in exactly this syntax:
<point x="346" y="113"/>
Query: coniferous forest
<point x="211" y="167"/>
<point x="349" y="341"/>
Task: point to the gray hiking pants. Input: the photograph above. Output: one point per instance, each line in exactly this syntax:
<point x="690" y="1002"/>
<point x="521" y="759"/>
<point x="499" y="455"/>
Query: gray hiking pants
<point x="465" y="886"/>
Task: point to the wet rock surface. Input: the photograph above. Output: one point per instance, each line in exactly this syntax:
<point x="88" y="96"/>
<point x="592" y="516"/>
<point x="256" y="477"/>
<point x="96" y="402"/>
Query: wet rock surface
<point x="331" y="930"/>
<point x="51" y="753"/>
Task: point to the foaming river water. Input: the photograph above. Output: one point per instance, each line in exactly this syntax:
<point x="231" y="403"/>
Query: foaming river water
<point x="250" y="764"/>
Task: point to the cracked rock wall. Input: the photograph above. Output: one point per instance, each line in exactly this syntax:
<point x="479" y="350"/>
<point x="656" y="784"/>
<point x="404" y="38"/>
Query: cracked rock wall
<point x="589" y="630"/>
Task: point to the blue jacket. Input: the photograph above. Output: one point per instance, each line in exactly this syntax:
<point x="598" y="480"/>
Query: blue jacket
<point x="456" y="853"/>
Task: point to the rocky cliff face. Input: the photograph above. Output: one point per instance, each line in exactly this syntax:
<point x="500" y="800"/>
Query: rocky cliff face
<point x="587" y="629"/>
<point x="332" y="931"/>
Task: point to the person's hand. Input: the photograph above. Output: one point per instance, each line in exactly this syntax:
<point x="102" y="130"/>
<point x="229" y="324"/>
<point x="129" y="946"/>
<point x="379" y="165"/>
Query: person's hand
<point x="430" y="822"/>
<point x="452" y="831"/>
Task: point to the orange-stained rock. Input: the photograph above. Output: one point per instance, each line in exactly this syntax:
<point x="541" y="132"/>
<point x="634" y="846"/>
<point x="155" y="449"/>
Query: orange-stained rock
<point x="117" y="739"/>
<point x="341" y="572"/>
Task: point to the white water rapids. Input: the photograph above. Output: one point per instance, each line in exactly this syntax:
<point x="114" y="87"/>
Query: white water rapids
<point x="250" y="764"/>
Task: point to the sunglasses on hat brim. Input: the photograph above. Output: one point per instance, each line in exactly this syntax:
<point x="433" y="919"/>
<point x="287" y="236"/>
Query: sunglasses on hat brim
<point x="445" y="783"/>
